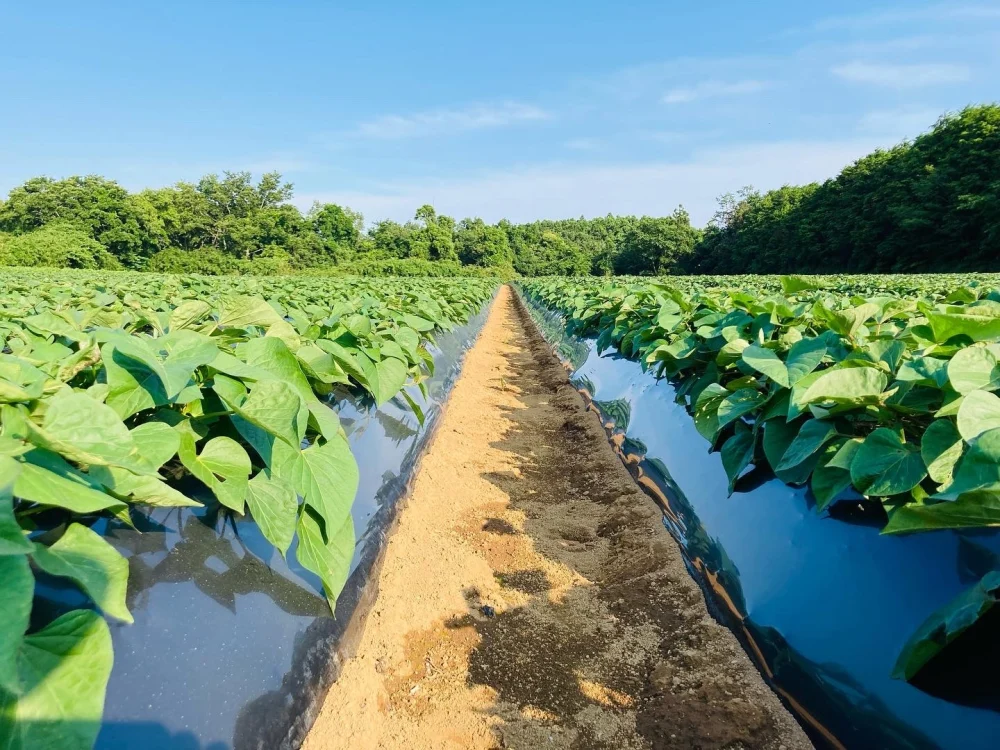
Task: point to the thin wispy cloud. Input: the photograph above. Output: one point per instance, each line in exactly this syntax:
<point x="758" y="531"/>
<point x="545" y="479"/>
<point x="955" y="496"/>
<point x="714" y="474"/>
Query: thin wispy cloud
<point x="713" y="89"/>
<point x="646" y="188"/>
<point x="449" y="121"/>
<point x="902" y="76"/>
<point x="582" y="144"/>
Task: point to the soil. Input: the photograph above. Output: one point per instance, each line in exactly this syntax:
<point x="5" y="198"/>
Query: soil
<point x="530" y="595"/>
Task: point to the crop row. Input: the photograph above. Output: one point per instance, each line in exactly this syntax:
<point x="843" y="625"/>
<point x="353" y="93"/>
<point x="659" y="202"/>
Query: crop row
<point x="882" y="387"/>
<point x="118" y="390"/>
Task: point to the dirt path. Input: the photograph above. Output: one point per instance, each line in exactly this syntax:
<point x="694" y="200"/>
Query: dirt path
<point x="531" y="597"/>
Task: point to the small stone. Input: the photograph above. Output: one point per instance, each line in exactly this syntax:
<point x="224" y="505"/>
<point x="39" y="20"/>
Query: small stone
<point x="488" y="611"/>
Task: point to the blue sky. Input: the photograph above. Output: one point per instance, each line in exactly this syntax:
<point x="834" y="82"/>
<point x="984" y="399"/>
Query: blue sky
<point x="519" y="109"/>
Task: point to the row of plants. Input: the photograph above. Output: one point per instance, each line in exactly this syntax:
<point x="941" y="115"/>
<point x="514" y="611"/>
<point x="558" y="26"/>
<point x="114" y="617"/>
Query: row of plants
<point x="878" y="386"/>
<point x="125" y="391"/>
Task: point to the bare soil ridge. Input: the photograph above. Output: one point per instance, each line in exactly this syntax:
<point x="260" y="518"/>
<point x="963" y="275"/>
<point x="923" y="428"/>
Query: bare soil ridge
<point x="530" y="595"/>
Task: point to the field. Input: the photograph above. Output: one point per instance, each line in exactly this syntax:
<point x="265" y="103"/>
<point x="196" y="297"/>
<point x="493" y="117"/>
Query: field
<point x="878" y="387"/>
<point x="125" y="392"/>
<point x="118" y="389"/>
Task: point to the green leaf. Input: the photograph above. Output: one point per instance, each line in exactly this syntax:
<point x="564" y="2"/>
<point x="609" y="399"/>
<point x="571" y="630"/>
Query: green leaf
<point x="414" y="407"/>
<point x="978" y="324"/>
<point x="828" y="481"/>
<point x="972" y="510"/>
<point x="64" y="670"/>
<point x="272" y="355"/>
<point x="142" y="490"/>
<point x="390" y="377"/>
<point x="98" y="568"/>
<point x="885" y="465"/>
<point x="979" y="412"/>
<point x="17" y="590"/>
<point x="941" y="447"/>
<point x="706" y="410"/>
<point x="974" y="368"/>
<point x="813" y="435"/>
<point x="48" y="480"/>
<point x="797" y="405"/>
<point x="417" y="323"/>
<point x="851" y="385"/>
<point x="186" y="351"/>
<point x="274" y="506"/>
<point x="243" y="311"/>
<point x="326" y="476"/>
<point x="48" y="323"/>
<point x="157" y="442"/>
<point x="223" y="466"/>
<point x="925" y="371"/>
<point x="844" y="456"/>
<point x="188" y="313"/>
<point x="793" y="284"/>
<point x="977" y="469"/>
<point x="767" y="362"/>
<point x="330" y="560"/>
<point x="12" y="539"/>
<point x="947" y="624"/>
<point x="87" y="431"/>
<point x="275" y="407"/>
<point x="737" y="404"/>
<point x="133" y="385"/>
<point x="804" y="357"/>
<point x="737" y="453"/>
<point x="778" y="435"/>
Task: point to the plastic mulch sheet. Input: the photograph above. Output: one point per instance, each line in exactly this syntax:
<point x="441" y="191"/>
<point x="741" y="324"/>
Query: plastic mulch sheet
<point x="822" y="602"/>
<point x="232" y="645"/>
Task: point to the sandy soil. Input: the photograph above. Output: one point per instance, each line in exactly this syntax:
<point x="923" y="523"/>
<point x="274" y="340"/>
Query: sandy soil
<point x="531" y="597"/>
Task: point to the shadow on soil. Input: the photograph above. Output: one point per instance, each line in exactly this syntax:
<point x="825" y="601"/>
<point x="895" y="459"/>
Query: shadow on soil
<point x="625" y="660"/>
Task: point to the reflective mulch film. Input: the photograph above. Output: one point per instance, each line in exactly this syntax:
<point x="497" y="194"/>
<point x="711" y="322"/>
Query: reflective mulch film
<point x="232" y="645"/>
<point x="823" y="604"/>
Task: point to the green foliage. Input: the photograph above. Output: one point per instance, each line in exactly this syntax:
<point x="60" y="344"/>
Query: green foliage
<point x="118" y="389"/>
<point x="101" y="208"/>
<point x="55" y="246"/>
<point x="947" y="624"/>
<point x="654" y="246"/>
<point x="929" y="205"/>
<point x="208" y="262"/>
<point x="480" y="244"/>
<point x="875" y="386"/>
<point x="368" y="266"/>
<point x="933" y="204"/>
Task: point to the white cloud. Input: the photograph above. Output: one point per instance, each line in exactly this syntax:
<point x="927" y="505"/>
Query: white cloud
<point x="559" y="190"/>
<point x="902" y="76"/>
<point x="712" y="89"/>
<point x="445" y="121"/>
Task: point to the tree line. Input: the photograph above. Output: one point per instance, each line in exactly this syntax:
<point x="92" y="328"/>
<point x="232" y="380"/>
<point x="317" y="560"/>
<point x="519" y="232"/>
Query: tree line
<point x="932" y="204"/>
<point x="233" y="224"/>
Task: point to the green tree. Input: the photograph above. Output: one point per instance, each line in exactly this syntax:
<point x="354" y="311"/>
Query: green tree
<point x="185" y="215"/>
<point x="102" y="208"/>
<point x="657" y="246"/>
<point x="338" y="229"/>
<point x="56" y="245"/>
<point x="480" y="244"/>
<point x="438" y="232"/>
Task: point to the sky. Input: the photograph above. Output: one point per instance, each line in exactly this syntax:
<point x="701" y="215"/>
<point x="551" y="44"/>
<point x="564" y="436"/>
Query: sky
<point x="523" y="110"/>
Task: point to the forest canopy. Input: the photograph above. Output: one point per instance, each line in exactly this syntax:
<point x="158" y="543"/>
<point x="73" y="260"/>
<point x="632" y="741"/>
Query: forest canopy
<point x="932" y="204"/>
